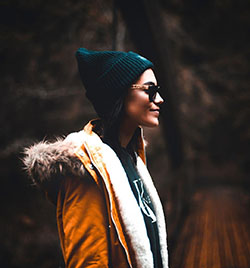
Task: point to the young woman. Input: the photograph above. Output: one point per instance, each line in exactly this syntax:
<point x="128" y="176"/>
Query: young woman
<point x="108" y="210"/>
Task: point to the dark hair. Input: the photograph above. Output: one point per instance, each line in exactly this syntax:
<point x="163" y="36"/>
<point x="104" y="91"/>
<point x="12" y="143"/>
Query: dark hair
<point x="112" y="121"/>
<point x="110" y="126"/>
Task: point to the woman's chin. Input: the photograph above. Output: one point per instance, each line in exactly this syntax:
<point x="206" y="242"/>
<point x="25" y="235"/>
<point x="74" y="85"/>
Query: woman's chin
<point x="151" y="123"/>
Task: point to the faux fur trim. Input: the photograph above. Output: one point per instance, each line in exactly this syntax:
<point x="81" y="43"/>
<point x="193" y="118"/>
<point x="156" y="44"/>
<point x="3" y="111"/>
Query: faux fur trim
<point x="44" y="160"/>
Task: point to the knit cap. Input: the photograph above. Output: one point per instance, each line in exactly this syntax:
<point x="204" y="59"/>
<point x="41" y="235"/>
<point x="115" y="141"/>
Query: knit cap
<point x="106" y="75"/>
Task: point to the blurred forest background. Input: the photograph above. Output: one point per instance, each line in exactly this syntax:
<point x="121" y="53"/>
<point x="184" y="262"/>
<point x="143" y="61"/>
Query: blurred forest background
<point x="201" y="50"/>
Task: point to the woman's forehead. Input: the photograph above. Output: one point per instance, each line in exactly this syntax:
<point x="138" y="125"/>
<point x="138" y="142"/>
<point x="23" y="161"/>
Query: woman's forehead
<point x="147" y="76"/>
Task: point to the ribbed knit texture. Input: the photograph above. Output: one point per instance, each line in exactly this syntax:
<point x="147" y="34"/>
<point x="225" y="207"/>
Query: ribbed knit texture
<point x="106" y="75"/>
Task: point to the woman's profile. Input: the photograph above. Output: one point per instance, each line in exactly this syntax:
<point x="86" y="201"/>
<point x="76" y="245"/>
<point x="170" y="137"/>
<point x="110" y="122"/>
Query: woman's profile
<point x="108" y="210"/>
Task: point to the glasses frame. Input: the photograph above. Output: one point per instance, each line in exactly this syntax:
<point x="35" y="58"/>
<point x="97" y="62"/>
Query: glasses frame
<point x="151" y="90"/>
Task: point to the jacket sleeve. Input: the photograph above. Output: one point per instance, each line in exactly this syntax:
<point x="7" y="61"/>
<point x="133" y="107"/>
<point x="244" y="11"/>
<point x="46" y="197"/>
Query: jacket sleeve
<point x="82" y="223"/>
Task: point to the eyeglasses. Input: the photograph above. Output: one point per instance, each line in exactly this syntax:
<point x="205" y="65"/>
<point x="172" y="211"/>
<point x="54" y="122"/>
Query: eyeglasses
<point x="151" y="90"/>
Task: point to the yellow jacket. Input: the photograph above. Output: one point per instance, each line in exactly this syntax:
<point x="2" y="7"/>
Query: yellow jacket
<point x="99" y="221"/>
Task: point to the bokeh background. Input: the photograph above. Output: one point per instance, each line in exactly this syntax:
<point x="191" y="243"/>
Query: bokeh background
<point x="200" y="155"/>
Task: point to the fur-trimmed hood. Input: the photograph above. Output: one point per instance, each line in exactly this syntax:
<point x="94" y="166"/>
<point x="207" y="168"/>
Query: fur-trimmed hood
<point x="45" y="161"/>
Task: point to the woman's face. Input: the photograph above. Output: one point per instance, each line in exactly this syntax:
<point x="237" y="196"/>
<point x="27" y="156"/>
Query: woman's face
<point x="139" y="111"/>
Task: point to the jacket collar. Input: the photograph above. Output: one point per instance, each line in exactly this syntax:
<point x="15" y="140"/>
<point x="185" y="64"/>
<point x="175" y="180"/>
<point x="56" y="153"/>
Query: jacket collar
<point x="89" y="130"/>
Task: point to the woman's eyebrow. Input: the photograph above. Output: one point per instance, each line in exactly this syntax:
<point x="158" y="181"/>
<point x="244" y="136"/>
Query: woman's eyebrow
<point x="149" y="83"/>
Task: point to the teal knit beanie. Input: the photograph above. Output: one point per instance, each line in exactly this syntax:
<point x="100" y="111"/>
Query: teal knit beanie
<point x="106" y="75"/>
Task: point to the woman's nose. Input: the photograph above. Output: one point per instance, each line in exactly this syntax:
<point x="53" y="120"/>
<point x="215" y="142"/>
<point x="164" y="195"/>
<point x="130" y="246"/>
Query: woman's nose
<point x="158" y="99"/>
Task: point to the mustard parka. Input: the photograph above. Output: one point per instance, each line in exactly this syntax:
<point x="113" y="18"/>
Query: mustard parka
<point x="99" y="221"/>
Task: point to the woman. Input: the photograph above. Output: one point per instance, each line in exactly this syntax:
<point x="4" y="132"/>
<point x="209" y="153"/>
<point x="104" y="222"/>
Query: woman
<point x="108" y="211"/>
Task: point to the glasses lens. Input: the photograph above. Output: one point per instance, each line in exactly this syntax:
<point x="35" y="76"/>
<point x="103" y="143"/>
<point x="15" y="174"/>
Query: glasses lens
<point x="152" y="91"/>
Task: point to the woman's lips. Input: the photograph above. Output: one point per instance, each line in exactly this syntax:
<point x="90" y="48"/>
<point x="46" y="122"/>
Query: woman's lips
<point x="155" y="111"/>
